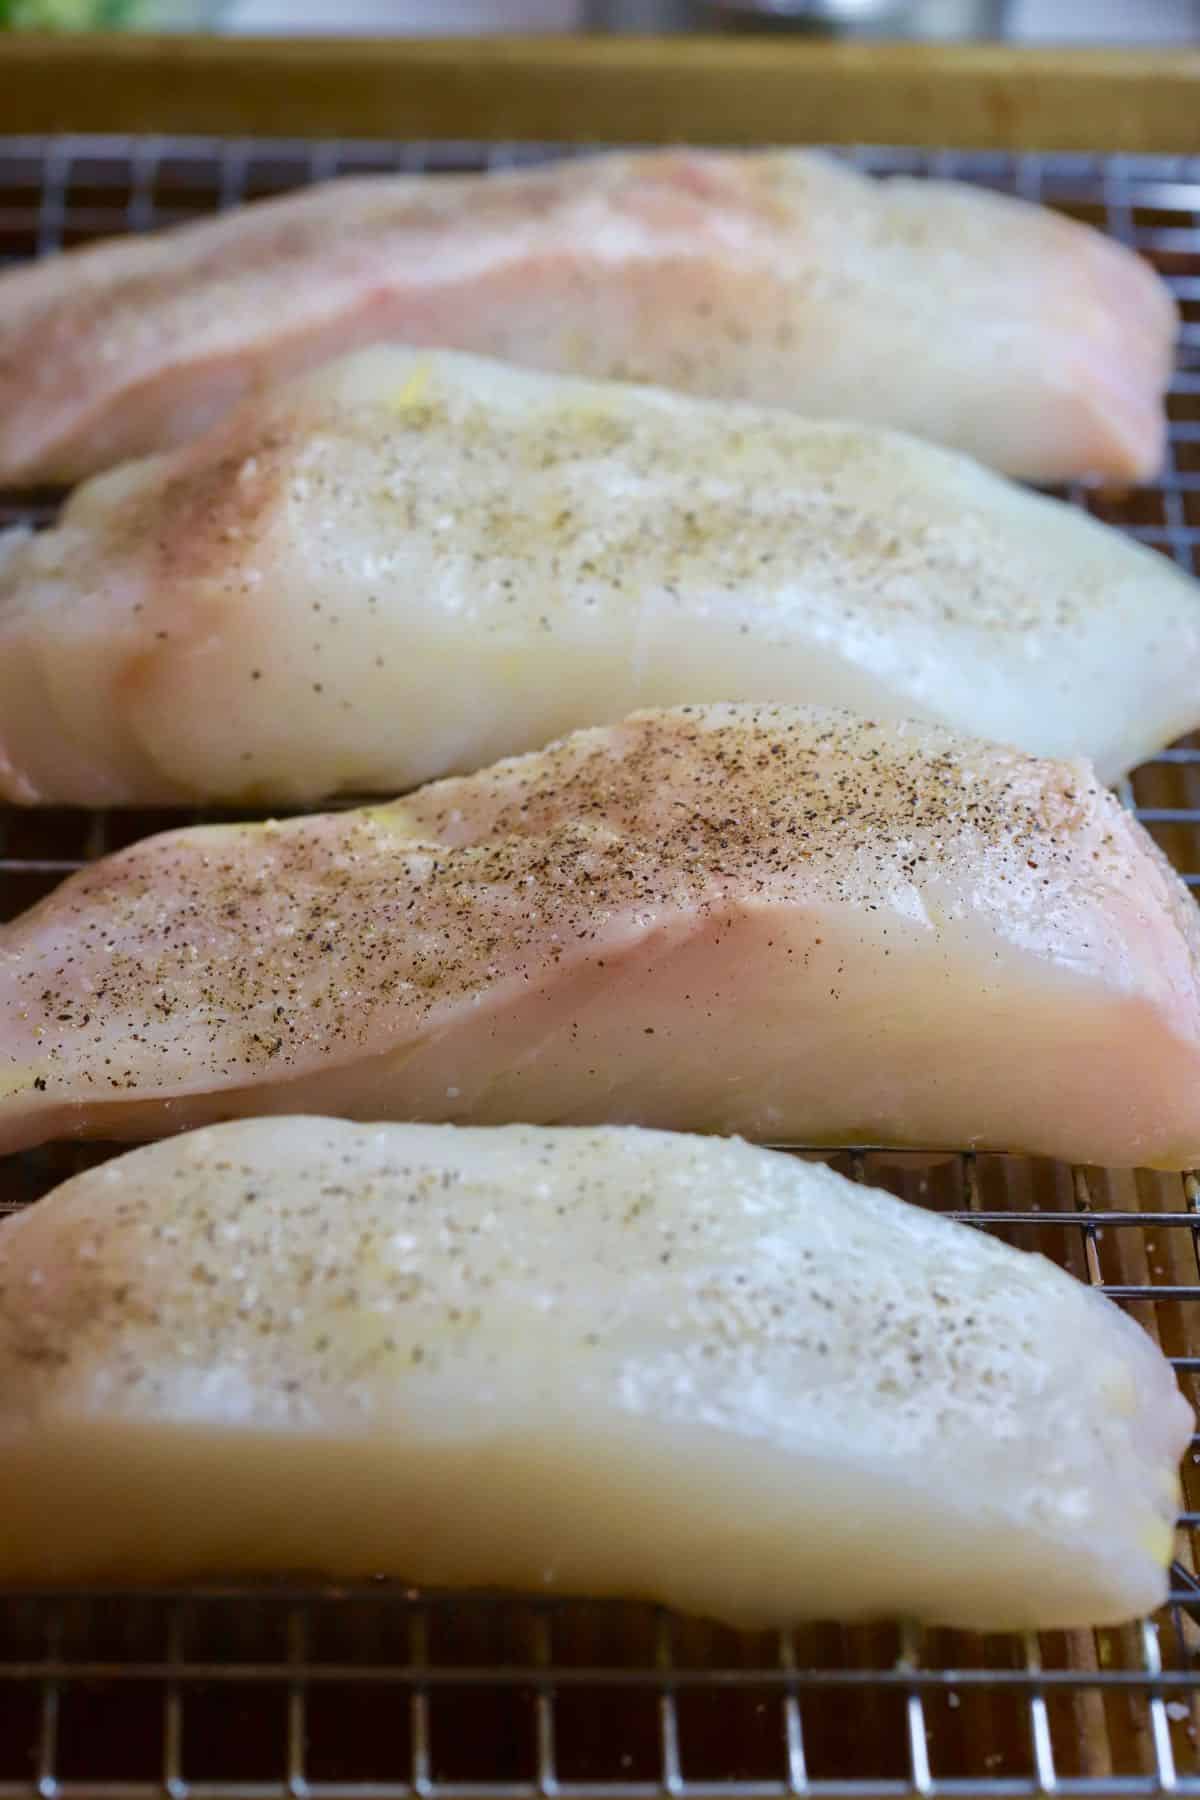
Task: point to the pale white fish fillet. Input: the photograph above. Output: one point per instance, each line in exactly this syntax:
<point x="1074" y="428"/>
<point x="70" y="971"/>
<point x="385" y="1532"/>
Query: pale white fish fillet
<point x="459" y="1355"/>
<point x="410" y="565"/>
<point x="792" y="924"/>
<point x="971" y="318"/>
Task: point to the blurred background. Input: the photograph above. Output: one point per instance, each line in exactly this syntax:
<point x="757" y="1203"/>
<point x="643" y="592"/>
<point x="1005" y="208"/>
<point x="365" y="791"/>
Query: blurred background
<point x="1044" y="21"/>
<point x="1133" y="22"/>
<point x="1065" y="21"/>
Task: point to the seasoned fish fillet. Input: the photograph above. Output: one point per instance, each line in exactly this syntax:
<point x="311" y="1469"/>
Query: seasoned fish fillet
<point x="458" y="1356"/>
<point x="791" y="924"/>
<point x="408" y="566"/>
<point x="974" y="319"/>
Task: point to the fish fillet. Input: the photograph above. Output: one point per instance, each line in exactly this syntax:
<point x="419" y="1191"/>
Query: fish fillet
<point x="410" y="565"/>
<point x="459" y="1355"/>
<point x="794" y="925"/>
<point x="968" y="317"/>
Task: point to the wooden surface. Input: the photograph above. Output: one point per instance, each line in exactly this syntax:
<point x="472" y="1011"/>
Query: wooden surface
<point x="636" y="89"/>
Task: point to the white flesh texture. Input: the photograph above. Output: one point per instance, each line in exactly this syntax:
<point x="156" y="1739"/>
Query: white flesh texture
<point x="792" y="924"/>
<point x="408" y="566"/>
<point x="601" y="1362"/>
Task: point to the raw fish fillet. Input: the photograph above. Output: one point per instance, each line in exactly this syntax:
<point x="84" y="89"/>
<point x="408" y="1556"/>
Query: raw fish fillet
<point x="459" y="1356"/>
<point x="970" y="318"/>
<point x="791" y="924"/>
<point x="409" y="565"/>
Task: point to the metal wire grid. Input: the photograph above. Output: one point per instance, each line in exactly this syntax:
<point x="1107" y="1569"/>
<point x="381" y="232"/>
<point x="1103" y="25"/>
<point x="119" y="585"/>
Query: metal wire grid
<point x="327" y="1692"/>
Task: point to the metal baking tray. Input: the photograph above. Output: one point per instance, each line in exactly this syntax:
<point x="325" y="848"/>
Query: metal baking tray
<point x="323" y="1692"/>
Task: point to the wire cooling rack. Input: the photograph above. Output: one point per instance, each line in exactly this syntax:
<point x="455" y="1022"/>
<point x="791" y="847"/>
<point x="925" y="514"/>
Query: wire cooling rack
<point x="327" y="1692"/>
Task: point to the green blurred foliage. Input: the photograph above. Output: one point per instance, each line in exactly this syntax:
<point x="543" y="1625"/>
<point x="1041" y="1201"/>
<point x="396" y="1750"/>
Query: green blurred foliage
<point x="66" y="15"/>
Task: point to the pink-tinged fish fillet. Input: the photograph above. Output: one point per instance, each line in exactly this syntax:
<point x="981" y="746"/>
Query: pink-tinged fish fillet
<point x="792" y="924"/>
<point x="787" y="278"/>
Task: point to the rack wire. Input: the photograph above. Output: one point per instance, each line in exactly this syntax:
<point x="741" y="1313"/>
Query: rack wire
<point x="274" y="1691"/>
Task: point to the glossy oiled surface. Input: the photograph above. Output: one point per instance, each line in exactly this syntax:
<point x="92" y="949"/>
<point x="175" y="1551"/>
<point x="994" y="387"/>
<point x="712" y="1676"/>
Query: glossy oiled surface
<point x="459" y="1355"/>
<point x="411" y="564"/>
<point x="783" y="278"/>
<point x="786" y="922"/>
<point x="218" y="1690"/>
